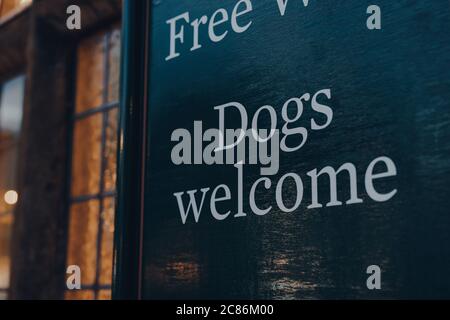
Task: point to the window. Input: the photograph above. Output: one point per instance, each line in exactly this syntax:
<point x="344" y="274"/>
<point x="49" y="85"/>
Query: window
<point x="93" y="169"/>
<point x="9" y="6"/>
<point x="11" y="107"/>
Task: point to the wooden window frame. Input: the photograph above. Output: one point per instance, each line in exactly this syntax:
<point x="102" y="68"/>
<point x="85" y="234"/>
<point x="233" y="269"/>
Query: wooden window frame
<point x="103" y="195"/>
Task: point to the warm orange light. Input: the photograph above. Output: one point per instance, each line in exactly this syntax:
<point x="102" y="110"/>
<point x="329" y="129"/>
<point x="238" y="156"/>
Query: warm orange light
<point x="11" y="197"/>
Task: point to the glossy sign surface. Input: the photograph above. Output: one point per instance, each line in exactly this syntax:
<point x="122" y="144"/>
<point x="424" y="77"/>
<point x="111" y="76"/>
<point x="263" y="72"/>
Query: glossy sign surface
<point x="389" y="92"/>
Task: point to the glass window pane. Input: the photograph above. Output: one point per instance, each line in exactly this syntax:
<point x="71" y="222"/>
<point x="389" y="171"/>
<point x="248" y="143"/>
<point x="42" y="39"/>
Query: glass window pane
<point x="88" y="156"/>
<point x="11" y="106"/>
<point x="104" y="295"/>
<point x="114" y="66"/>
<point x="80" y="295"/>
<point x="107" y="242"/>
<point x="83" y="233"/>
<point x="86" y="159"/>
<point x="90" y="73"/>
<point x="111" y="150"/>
<point x="7" y="6"/>
<point x="8" y="172"/>
<point x="5" y="236"/>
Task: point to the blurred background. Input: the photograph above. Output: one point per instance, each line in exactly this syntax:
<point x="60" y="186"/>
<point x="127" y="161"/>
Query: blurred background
<point x="59" y="93"/>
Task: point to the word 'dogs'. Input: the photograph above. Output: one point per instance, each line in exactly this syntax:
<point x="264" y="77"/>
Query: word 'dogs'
<point x="229" y="146"/>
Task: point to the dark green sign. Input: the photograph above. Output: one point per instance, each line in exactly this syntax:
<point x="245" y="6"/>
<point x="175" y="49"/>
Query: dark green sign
<point x="285" y="150"/>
